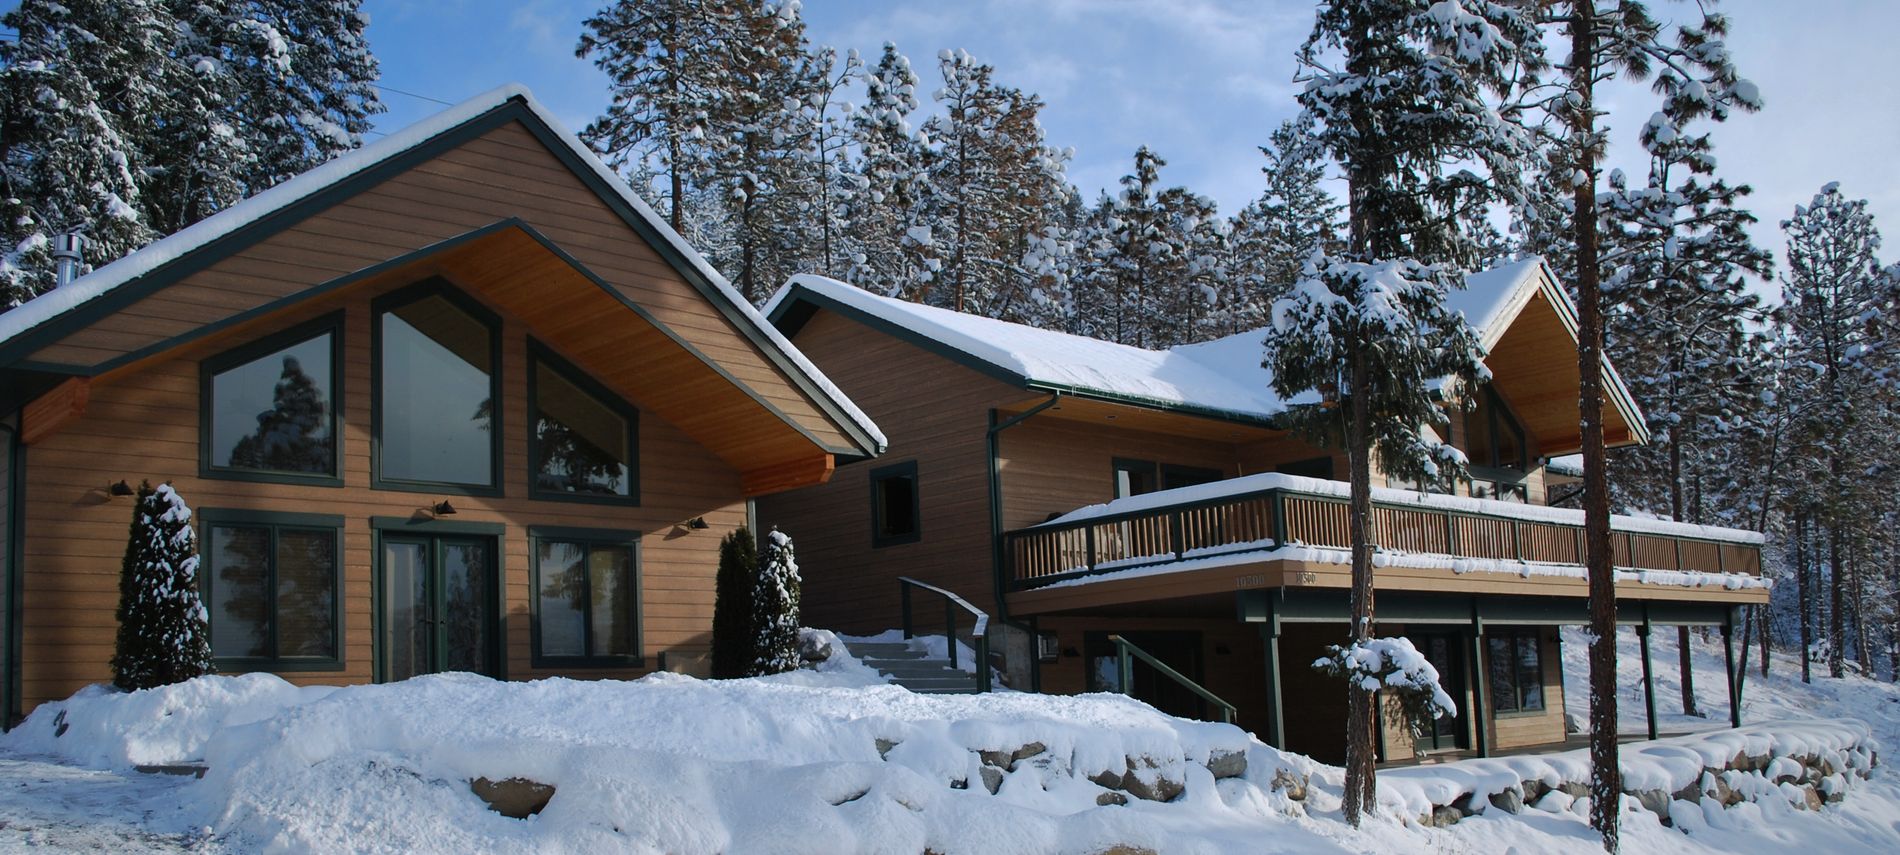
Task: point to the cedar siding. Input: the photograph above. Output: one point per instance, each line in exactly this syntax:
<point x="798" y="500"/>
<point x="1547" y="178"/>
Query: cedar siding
<point x="144" y="425"/>
<point x="849" y="584"/>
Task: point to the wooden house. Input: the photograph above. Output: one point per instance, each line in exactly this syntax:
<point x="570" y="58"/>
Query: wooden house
<point x="456" y="401"/>
<point x="1085" y="492"/>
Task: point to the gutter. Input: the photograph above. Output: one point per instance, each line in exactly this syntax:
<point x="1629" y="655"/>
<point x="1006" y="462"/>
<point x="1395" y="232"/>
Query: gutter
<point x="11" y="582"/>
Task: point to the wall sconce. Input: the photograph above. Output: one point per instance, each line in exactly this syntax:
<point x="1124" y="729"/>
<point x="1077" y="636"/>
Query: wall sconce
<point x="119" y="489"/>
<point x="697" y="524"/>
<point x="442" y="508"/>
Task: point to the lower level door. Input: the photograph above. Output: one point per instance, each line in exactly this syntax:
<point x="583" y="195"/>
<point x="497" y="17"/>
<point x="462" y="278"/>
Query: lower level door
<point x="439" y="609"/>
<point x="1445" y="733"/>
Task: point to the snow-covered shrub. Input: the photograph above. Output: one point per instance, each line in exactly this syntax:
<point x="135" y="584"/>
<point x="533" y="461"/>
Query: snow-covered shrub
<point x="775" y="607"/>
<point x="163" y="635"/>
<point x="732" y="651"/>
<point x="1394" y="666"/>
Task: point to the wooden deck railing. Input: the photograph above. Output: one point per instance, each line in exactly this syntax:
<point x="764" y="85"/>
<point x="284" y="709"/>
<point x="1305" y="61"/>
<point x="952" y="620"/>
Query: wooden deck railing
<point x="1269" y="518"/>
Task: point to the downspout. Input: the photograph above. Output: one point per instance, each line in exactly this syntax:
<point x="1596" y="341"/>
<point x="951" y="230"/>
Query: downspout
<point x="998" y="583"/>
<point x="11" y="582"/>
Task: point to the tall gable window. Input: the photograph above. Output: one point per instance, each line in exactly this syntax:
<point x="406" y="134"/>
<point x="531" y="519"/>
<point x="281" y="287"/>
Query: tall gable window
<point x="582" y="438"/>
<point x="438" y="372"/>
<point x="270" y="407"/>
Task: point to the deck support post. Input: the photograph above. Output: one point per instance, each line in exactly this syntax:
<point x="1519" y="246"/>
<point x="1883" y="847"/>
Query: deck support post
<point x="1480" y="739"/>
<point x="1270" y="641"/>
<point x="1734" y="676"/>
<point x="1649" y="679"/>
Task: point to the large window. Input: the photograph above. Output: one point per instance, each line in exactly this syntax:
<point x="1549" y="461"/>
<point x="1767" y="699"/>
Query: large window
<point x="269" y="408"/>
<point x="271" y="587"/>
<point x="438" y="374"/>
<point x="586" y="597"/>
<point x="1493" y="437"/>
<point x="582" y="437"/>
<point x="895" y="508"/>
<point x="1135" y="477"/>
<point x="1516" y="671"/>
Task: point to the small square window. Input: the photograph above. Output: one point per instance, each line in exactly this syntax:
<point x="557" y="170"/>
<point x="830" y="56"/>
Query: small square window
<point x="894" y="505"/>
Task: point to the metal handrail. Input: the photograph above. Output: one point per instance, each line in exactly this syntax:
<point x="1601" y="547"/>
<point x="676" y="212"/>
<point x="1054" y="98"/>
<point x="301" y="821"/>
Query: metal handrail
<point x="1277" y="496"/>
<point x="1125" y="654"/>
<point x="979" y="633"/>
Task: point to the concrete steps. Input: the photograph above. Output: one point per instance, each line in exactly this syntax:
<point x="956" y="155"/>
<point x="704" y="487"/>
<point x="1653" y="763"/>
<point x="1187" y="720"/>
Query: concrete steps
<point x="914" y="670"/>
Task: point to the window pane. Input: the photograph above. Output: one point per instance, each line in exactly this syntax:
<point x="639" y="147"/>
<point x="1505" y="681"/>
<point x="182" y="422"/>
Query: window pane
<point x="240" y="605"/>
<point x="436" y="416"/>
<point x="273" y="413"/>
<point x="896" y="502"/>
<point x="610" y="575"/>
<point x="1134" y="479"/>
<point x="582" y="443"/>
<point x="1530" y="682"/>
<point x="1499" y="661"/>
<point x="306" y="593"/>
<point x="563" y="604"/>
<point x="465" y="601"/>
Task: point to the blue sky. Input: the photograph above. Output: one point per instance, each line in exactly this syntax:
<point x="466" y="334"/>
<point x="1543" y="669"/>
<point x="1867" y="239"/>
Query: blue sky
<point x="1204" y="81"/>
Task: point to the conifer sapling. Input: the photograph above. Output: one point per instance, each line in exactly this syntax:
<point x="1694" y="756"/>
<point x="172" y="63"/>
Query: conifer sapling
<point x="164" y="636"/>
<point x="775" y="608"/>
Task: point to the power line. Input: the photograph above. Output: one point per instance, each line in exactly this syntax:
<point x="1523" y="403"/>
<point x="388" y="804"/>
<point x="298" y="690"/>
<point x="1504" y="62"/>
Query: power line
<point x="413" y="94"/>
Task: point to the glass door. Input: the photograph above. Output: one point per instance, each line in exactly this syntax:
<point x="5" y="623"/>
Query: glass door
<point x="1445" y="733"/>
<point x="438" y="604"/>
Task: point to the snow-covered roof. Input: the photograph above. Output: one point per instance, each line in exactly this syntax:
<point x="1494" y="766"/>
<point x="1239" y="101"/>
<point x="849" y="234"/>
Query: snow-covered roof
<point x="1223" y="376"/>
<point x="159" y="254"/>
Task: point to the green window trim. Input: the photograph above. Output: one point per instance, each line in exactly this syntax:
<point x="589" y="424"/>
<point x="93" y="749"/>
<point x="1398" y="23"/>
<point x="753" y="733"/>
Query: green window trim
<point x="436" y="286"/>
<point x="1515" y="673"/>
<point x="587" y="539"/>
<point x="906" y="470"/>
<point x="540" y="354"/>
<point x="274" y="522"/>
<point x="209" y="368"/>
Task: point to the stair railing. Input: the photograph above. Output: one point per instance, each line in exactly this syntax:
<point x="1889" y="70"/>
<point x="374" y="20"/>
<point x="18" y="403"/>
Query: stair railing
<point x="979" y="635"/>
<point x="1126" y="653"/>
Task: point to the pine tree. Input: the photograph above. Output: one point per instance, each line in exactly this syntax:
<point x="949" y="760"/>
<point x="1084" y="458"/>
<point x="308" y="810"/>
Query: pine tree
<point x="1696" y="78"/>
<point x="294" y="434"/>
<point x="662" y="60"/>
<point x="775" y="619"/>
<point x="163" y="634"/>
<point x="1368" y="327"/>
<point x="129" y="119"/>
<point x="1275" y="234"/>
<point x="732" y="627"/>
<point x="68" y="162"/>
<point x="1838" y="301"/>
<point x="891" y="172"/>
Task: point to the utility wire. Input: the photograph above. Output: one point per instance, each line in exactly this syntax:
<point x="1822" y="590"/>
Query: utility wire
<point x="413" y="94"/>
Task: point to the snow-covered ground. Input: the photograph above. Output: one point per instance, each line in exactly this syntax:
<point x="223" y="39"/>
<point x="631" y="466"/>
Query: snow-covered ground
<point x="832" y="760"/>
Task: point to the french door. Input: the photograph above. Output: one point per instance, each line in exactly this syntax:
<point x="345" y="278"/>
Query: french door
<point x="1449" y="732"/>
<point x="438" y="605"/>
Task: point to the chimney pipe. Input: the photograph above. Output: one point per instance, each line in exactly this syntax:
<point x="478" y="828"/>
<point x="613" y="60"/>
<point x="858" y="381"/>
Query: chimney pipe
<point x="68" y="253"/>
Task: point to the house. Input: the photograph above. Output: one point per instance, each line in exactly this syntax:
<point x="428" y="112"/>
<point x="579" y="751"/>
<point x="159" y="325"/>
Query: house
<point x="1093" y="496"/>
<point x="456" y="401"/>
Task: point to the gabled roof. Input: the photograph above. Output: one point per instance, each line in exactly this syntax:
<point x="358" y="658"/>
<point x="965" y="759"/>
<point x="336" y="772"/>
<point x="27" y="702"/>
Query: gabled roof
<point x="1222" y="377"/>
<point x="38" y="322"/>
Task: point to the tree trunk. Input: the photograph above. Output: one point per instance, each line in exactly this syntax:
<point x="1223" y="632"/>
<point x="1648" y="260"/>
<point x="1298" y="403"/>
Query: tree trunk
<point x="1761" y="617"/>
<point x="1862" y="655"/>
<point x="1606" y="777"/>
<point x="1683" y="658"/>
<point x="1836" y="595"/>
<point x="1361" y="786"/>
<point x="1805" y="594"/>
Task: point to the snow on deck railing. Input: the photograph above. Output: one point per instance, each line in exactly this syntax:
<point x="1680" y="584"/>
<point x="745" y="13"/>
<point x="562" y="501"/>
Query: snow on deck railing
<point x="1270" y="513"/>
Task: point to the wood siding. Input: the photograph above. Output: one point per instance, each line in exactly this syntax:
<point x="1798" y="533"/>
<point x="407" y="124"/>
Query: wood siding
<point x="1053" y="466"/>
<point x="503" y="174"/>
<point x="935" y="412"/>
<point x="144" y="425"/>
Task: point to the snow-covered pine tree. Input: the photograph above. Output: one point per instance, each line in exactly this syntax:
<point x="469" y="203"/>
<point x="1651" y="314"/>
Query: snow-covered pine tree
<point x="67" y="160"/>
<point x="163" y="636"/>
<point x="829" y="180"/>
<point x="775" y="617"/>
<point x="991" y="188"/>
<point x="1696" y="78"/>
<point x="1275" y="234"/>
<point x="1368" y="327"/>
<point x="890" y="171"/>
<point x="732" y="629"/>
<point x="662" y="59"/>
<point x="1839" y="305"/>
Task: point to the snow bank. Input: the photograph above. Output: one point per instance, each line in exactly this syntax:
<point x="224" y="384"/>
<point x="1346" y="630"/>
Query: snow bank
<point x="103" y="728"/>
<point x="810" y="761"/>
